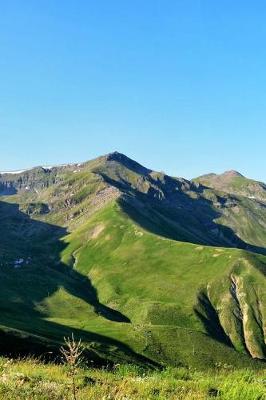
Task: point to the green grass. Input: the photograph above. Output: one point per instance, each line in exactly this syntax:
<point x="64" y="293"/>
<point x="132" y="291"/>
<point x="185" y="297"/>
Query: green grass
<point x="30" y="379"/>
<point x="164" y="294"/>
<point x="114" y="276"/>
<point x="130" y="293"/>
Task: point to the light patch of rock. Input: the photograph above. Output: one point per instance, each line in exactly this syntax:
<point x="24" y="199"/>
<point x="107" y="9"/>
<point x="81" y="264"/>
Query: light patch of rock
<point x="96" y="231"/>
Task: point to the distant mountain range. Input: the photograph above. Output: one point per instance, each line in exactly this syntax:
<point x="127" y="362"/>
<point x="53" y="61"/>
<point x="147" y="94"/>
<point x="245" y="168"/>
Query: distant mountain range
<point x="142" y="266"/>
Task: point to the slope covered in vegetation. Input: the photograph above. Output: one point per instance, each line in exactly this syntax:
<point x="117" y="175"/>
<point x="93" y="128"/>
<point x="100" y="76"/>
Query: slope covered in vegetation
<point x="144" y="267"/>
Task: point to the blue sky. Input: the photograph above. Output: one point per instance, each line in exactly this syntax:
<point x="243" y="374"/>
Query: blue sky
<point x="178" y="85"/>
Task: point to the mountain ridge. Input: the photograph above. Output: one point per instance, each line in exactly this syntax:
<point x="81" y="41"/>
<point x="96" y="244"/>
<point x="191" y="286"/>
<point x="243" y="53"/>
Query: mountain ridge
<point x="116" y="155"/>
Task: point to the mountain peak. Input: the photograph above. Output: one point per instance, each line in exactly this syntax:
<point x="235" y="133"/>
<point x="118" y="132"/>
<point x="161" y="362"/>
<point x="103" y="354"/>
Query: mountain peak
<point x="116" y="156"/>
<point x="127" y="162"/>
<point x="232" y="174"/>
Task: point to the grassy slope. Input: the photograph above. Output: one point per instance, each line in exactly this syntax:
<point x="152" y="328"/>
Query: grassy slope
<point x="247" y="217"/>
<point x="109" y="270"/>
<point x="186" y="212"/>
<point x="148" y="279"/>
<point x="152" y="281"/>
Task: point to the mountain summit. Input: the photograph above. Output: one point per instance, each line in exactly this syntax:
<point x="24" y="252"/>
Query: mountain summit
<point x="232" y="174"/>
<point x="235" y="183"/>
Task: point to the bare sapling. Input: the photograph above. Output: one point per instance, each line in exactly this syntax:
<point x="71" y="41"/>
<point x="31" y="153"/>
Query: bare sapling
<point x="72" y="357"/>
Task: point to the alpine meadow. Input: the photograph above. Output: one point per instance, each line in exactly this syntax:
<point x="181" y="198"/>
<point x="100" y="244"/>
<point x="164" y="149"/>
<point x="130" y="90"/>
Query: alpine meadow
<point x="146" y="269"/>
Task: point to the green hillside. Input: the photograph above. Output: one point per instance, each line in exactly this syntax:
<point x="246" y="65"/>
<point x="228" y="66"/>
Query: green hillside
<point x="142" y="266"/>
<point x="235" y="183"/>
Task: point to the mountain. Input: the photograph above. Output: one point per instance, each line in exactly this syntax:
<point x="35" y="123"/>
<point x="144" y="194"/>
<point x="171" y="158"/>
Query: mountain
<point x="142" y="266"/>
<point x="235" y="183"/>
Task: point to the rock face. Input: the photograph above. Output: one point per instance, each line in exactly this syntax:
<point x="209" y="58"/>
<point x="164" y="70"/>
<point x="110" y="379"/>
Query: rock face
<point x="98" y="226"/>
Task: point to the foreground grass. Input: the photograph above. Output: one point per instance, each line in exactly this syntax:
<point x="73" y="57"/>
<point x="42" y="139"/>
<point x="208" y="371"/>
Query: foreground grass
<point x="31" y="379"/>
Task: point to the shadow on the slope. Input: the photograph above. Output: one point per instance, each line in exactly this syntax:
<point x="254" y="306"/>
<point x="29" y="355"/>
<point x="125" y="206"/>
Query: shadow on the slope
<point x="209" y="317"/>
<point x="258" y="262"/>
<point x="170" y="211"/>
<point x="28" y="245"/>
<point x="46" y="340"/>
<point x="31" y="271"/>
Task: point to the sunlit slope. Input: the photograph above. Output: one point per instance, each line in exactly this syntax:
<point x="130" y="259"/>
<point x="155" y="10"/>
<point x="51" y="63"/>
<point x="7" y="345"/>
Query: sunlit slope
<point x="172" y="287"/>
<point x="235" y="183"/>
<point x="172" y="207"/>
<point x="186" y="210"/>
<point x="128" y="292"/>
<point x="136" y="263"/>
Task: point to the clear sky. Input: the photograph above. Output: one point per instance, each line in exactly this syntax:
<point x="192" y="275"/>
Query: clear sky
<point x="179" y="85"/>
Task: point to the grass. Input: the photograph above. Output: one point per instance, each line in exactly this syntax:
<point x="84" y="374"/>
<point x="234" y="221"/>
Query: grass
<point x="132" y="293"/>
<point x="31" y="379"/>
<point x="168" y="303"/>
